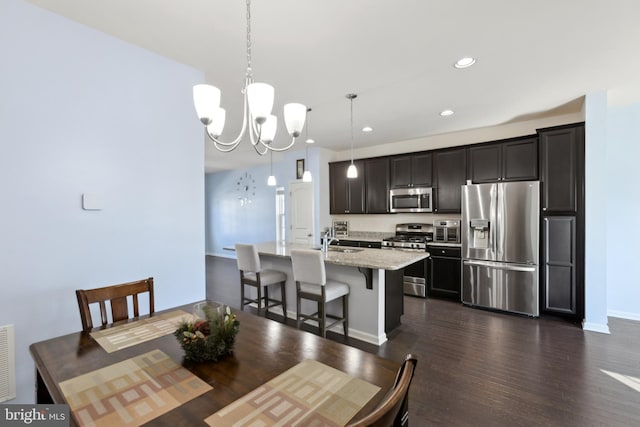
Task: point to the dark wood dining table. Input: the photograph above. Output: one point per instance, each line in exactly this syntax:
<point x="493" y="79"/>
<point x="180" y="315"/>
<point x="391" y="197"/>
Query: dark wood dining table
<point x="264" y="349"/>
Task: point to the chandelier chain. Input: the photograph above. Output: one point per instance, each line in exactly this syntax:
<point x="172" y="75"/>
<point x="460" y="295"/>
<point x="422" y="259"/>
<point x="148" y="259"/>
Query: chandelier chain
<point x="248" y="37"/>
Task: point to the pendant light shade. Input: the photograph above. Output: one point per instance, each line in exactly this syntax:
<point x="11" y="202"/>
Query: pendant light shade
<point x="306" y="176"/>
<point x="271" y="181"/>
<point x="352" y="171"/>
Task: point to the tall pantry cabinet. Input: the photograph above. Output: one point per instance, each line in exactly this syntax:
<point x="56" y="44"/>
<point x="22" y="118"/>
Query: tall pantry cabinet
<point x="562" y="220"/>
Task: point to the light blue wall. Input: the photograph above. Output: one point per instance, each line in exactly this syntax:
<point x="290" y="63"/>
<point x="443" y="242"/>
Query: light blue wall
<point x="228" y="222"/>
<point x="623" y="211"/>
<point x="82" y="112"/>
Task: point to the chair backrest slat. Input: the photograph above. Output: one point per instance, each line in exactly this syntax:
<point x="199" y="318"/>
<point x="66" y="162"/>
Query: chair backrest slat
<point x="393" y="407"/>
<point x="117" y="297"/>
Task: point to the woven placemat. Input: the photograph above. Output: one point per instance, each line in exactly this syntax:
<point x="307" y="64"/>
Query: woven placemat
<point x="131" y="392"/>
<point x="310" y="393"/>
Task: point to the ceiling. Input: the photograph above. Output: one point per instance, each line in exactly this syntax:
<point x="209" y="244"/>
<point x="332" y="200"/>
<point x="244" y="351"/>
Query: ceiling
<point x="533" y="58"/>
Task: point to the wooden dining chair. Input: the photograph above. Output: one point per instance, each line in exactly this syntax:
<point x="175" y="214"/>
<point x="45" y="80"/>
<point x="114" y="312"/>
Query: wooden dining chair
<point x="117" y="296"/>
<point x="394" y="409"/>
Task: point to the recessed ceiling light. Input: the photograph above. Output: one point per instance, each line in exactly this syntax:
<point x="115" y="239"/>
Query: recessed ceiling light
<point x="445" y="113"/>
<point x="465" y="62"/>
<point x="367" y="129"/>
<point x="310" y="141"/>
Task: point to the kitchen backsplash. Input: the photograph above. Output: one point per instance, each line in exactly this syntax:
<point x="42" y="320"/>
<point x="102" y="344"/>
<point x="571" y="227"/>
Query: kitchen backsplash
<point x="386" y="223"/>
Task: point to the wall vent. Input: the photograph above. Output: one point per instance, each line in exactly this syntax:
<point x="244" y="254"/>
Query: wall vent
<point x="7" y="363"/>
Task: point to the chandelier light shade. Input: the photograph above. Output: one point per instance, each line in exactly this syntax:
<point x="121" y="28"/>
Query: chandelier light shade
<point x="260" y="96"/>
<point x="352" y="171"/>
<point x="256" y="119"/>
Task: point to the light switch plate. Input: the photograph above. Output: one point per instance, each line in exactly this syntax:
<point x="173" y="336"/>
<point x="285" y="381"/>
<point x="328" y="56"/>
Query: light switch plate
<point x="92" y="202"/>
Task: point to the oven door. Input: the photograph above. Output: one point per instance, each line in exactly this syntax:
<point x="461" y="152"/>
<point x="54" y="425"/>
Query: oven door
<point x="415" y="279"/>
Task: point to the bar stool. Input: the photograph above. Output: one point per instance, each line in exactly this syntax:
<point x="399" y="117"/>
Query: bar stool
<point x="312" y="284"/>
<point x="252" y="274"/>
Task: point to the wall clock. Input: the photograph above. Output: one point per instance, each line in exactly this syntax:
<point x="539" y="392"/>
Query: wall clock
<point x="246" y="188"/>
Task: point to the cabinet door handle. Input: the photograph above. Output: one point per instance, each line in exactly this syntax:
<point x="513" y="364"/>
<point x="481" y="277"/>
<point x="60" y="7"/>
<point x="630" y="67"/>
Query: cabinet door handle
<point x="544" y="209"/>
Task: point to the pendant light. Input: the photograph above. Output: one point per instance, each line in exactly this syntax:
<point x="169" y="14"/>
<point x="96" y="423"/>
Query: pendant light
<point x="271" y="181"/>
<point x="306" y="176"/>
<point x="352" y="171"/>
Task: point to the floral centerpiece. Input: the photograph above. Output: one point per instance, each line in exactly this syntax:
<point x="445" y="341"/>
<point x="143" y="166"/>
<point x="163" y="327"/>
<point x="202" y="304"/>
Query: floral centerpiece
<point x="211" y="338"/>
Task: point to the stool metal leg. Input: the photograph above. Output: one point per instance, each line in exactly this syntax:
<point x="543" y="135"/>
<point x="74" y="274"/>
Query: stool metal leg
<point x="345" y="314"/>
<point x="283" y="292"/>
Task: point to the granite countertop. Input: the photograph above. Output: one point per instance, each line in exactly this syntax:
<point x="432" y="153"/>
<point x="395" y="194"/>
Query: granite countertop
<point x="355" y="257"/>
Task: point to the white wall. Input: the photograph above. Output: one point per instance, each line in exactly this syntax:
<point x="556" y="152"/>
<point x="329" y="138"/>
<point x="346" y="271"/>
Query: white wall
<point x="82" y="112"/>
<point x="596" y="208"/>
<point x="623" y="211"/>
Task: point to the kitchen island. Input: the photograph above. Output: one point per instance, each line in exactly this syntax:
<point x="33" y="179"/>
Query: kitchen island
<point x="374" y="277"/>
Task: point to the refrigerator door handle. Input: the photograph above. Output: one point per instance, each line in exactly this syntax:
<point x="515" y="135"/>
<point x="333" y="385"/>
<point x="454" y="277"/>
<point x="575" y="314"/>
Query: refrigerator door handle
<point x="500" y="266"/>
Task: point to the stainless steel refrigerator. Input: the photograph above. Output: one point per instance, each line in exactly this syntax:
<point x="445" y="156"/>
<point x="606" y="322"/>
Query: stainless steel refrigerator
<point x="500" y="252"/>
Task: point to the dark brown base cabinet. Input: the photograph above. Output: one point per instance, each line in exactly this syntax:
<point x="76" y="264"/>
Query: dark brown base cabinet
<point x="562" y="220"/>
<point x="559" y="264"/>
<point x="444" y="273"/>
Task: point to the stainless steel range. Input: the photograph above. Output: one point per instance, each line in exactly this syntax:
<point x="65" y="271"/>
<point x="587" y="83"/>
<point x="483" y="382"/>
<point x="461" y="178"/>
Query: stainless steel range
<point x="412" y="237"/>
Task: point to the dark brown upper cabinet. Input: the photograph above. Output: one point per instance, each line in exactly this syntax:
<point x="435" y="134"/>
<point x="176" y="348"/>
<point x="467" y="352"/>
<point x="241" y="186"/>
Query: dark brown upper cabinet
<point x="509" y="160"/>
<point x="347" y="195"/>
<point x="376" y="171"/>
<point x="450" y="174"/>
<point x="561" y="168"/>
<point x="413" y="170"/>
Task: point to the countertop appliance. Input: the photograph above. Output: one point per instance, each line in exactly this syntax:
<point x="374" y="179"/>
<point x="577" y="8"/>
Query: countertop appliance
<point x="414" y="199"/>
<point x="500" y="246"/>
<point x="446" y="231"/>
<point x="412" y="237"/>
<point x="340" y="229"/>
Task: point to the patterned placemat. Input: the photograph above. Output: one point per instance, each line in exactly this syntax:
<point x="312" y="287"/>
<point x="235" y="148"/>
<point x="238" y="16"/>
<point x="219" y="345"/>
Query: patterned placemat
<point x="131" y="392"/>
<point x="308" y="394"/>
<point x="133" y="333"/>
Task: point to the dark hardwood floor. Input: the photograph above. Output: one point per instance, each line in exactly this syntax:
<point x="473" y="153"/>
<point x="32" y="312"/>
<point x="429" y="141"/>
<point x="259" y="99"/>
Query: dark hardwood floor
<point x="480" y="368"/>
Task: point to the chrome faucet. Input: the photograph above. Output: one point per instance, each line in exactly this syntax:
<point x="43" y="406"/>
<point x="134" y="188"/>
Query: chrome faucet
<point x="327" y="239"/>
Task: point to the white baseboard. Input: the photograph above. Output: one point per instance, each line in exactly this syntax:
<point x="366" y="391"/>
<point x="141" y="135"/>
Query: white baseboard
<point x="623" y="315"/>
<point x="596" y="327"/>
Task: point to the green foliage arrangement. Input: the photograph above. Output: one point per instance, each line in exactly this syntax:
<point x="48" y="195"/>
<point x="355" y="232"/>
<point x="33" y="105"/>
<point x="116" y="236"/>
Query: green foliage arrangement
<point x="208" y="339"/>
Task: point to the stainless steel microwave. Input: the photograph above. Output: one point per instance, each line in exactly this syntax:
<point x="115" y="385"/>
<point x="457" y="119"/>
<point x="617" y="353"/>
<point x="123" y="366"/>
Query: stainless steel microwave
<point x="417" y="199"/>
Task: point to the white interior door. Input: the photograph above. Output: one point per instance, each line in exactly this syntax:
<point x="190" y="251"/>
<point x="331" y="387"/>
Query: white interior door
<point x="301" y="202"/>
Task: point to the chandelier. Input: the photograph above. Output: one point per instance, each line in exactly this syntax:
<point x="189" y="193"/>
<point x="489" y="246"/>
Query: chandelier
<point x="257" y="117"/>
